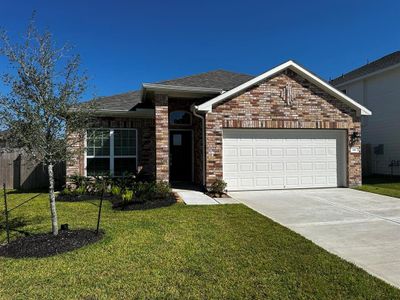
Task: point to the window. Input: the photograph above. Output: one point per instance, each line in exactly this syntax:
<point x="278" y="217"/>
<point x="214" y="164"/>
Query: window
<point x="111" y="151"/>
<point x="98" y="152"/>
<point x="180" y="118"/>
<point x="344" y="91"/>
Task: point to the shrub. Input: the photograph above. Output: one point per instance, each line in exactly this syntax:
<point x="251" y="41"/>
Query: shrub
<point x="78" y="180"/>
<point x="162" y="189"/>
<point x="115" y="190"/>
<point x="66" y="192"/>
<point x="150" y="191"/>
<point x="80" y="190"/>
<point x="127" y="196"/>
<point x="218" y="186"/>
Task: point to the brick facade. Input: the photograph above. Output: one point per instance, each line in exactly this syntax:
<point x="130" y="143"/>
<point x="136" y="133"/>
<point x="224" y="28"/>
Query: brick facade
<point x="263" y="107"/>
<point x="161" y="137"/>
<point x="260" y="106"/>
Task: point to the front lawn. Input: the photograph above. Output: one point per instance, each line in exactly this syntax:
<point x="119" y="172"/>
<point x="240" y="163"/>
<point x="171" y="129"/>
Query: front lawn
<point x="180" y="252"/>
<point x="383" y="186"/>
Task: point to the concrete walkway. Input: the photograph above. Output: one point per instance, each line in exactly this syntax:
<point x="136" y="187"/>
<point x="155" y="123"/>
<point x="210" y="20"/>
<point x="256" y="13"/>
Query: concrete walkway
<point x="363" y="228"/>
<point x="192" y="197"/>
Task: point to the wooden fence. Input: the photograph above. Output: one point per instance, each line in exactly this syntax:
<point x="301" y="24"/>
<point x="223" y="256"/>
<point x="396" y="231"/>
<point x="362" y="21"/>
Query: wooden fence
<point x="18" y="171"/>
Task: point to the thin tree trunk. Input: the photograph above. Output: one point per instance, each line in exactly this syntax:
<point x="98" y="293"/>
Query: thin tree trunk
<point x="53" y="211"/>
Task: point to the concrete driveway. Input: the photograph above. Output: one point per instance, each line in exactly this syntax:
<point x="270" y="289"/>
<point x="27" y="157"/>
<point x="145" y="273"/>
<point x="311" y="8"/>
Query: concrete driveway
<point x="362" y="228"/>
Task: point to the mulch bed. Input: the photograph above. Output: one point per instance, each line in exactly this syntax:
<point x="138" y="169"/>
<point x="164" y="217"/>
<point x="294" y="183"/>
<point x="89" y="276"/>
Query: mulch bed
<point x="155" y="203"/>
<point x="46" y="244"/>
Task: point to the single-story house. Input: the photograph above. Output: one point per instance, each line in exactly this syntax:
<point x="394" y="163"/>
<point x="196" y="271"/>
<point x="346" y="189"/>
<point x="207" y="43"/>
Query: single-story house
<point x="285" y="128"/>
<point x="376" y="85"/>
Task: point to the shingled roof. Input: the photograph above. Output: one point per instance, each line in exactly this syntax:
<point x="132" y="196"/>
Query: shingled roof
<point x="377" y="65"/>
<point x="221" y="79"/>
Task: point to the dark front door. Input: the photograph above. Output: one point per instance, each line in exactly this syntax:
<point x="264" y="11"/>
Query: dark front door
<point x="180" y="155"/>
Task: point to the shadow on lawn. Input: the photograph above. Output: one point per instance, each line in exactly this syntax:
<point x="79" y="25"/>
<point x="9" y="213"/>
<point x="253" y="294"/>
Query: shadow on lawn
<point x="18" y="222"/>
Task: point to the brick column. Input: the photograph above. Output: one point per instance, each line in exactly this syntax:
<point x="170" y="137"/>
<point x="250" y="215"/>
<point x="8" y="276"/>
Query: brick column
<point x="162" y="137"/>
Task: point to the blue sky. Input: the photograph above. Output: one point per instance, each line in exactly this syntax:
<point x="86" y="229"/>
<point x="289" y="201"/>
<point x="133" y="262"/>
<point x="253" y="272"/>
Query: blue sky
<point x="125" y="43"/>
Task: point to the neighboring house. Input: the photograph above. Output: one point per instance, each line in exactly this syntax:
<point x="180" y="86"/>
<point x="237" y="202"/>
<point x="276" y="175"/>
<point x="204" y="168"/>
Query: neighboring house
<point x="285" y="128"/>
<point x="377" y="86"/>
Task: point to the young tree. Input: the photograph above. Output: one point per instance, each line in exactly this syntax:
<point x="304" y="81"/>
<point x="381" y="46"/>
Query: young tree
<point x="42" y="112"/>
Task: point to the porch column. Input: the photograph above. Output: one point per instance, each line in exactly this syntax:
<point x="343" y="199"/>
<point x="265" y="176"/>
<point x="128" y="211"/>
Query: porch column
<point x="162" y="137"/>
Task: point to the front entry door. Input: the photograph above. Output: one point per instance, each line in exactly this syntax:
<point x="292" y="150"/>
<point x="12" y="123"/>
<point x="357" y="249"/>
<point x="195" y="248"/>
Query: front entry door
<point x="180" y="155"/>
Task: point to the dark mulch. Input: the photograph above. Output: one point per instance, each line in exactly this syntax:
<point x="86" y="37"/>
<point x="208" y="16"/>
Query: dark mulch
<point x="46" y="244"/>
<point x="144" y="205"/>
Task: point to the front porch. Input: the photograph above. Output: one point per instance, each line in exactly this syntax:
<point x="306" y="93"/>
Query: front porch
<point x="179" y="142"/>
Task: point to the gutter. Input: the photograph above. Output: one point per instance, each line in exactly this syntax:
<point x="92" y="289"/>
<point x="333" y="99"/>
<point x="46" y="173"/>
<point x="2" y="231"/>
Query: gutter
<point x="193" y="108"/>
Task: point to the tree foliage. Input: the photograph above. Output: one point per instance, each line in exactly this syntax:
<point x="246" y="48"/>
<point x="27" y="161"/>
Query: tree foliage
<point x="41" y="111"/>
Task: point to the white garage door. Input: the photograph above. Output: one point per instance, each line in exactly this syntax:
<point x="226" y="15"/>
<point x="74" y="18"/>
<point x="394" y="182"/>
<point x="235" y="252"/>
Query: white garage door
<point x="282" y="159"/>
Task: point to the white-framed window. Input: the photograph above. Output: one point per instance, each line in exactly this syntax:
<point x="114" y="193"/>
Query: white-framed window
<point x="180" y="117"/>
<point x="111" y="151"/>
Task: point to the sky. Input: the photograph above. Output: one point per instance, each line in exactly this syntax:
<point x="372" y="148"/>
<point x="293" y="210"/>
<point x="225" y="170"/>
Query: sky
<point x="125" y="43"/>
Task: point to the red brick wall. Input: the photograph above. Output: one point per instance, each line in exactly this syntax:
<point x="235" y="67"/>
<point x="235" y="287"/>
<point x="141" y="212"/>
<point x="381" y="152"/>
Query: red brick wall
<point x="146" y="145"/>
<point x="162" y="137"/>
<point x="263" y="107"/>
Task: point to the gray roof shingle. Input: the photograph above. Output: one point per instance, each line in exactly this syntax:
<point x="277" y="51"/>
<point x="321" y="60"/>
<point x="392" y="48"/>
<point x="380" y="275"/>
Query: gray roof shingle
<point x="125" y="101"/>
<point x="379" y="64"/>
<point x="221" y="79"/>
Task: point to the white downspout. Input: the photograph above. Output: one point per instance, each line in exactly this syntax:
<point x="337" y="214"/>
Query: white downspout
<point x="193" y="109"/>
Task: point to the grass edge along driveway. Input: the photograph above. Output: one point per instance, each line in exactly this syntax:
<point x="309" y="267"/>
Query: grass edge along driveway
<point x="383" y="186"/>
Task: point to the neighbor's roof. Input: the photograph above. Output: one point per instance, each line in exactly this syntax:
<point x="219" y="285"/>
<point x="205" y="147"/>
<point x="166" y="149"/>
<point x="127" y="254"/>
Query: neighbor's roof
<point x="208" y="105"/>
<point x="220" y="79"/>
<point x="370" y="68"/>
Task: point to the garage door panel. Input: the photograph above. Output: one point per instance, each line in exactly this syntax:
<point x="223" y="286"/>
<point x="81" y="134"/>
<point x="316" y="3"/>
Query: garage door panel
<point x="261" y="167"/>
<point x="230" y="167"/>
<point x="261" y="151"/>
<point x="246" y="167"/>
<point x="230" y="152"/>
<point x="262" y="159"/>
<point x="262" y="181"/>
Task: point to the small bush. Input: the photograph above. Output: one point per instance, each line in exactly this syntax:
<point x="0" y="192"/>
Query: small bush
<point x="80" y="190"/>
<point x="115" y="190"/>
<point x="127" y="196"/>
<point x="162" y="189"/>
<point x="150" y="191"/>
<point x="218" y="187"/>
<point x="78" y="180"/>
<point x="66" y="192"/>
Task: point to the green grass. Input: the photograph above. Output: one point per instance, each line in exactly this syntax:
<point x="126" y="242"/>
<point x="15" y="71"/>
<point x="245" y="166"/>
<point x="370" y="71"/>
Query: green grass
<point x="181" y="252"/>
<point x="383" y="186"/>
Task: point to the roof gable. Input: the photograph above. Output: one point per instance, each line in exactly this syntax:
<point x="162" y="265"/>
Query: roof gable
<point x="207" y="106"/>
